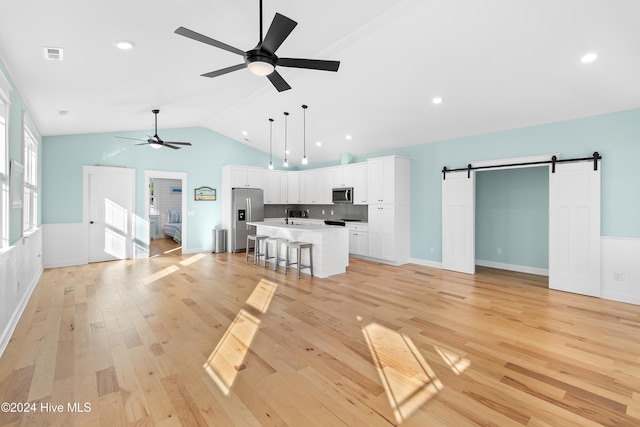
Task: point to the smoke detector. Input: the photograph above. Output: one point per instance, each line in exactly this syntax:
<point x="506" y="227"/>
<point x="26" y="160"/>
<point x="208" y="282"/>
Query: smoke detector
<point x="52" y="53"/>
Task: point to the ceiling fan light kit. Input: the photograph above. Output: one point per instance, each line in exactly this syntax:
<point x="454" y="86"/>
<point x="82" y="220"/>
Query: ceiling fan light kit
<point x="262" y="60"/>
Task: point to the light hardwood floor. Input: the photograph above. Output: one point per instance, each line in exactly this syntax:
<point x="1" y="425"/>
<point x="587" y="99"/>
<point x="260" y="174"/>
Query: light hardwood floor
<point x="207" y="339"/>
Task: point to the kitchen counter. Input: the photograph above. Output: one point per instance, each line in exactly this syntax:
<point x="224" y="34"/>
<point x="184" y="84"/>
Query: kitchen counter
<point x="330" y="242"/>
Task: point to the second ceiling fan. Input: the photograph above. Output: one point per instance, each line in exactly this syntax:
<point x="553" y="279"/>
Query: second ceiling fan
<point x="262" y="60"/>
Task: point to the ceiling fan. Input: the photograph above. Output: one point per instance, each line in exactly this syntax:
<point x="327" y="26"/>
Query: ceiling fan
<point x="262" y="60"/>
<point x="155" y="140"/>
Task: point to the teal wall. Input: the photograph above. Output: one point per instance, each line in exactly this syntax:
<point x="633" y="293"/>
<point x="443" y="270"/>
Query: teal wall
<point x="17" y="110"/>
<point x="65" y="155"/>
<point x="615" y="136"/>
<point x="512" y="213"/>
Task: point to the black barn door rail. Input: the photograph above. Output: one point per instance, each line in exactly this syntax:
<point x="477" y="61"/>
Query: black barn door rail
<point x="553" y="161"/>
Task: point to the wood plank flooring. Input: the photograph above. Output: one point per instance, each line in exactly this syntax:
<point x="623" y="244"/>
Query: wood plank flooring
<point x="209" y="340"/>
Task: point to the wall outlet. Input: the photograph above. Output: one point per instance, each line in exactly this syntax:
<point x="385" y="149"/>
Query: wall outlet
<point x="322" y="211"/>
<point x="331" y="211"/>
<point x="618" y="277"/>
<point x="499" y="251"/>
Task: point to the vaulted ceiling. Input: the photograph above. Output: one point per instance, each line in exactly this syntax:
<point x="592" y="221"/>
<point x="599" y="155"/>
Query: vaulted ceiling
<point x="496" y="64"/>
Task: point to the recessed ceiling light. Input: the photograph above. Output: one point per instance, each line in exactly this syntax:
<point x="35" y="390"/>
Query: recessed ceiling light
<point x="589" y="57"/>
<point x="124" y="44"/>
<point x="244" y="132"/>
<point x="287" y="151"/>
<point x="319" y="144"/>
<point x="437" y="100"/>
<point x="348" y="137"/>
<point x="63" y="112"/>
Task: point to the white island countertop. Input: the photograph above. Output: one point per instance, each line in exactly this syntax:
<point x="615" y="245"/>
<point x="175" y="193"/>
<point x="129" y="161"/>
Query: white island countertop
<point x="330" y="243"/>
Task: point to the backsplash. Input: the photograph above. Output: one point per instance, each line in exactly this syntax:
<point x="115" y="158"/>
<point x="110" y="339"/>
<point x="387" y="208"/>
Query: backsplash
<point x="360" y="212"/>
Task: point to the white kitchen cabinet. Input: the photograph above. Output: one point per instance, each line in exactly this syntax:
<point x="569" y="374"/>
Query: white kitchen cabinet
<point x="360" y="187"/>
<point x="244" y="176"/>
<point x="327" y="186"/>
<point x="284" y="188"/>
<point x="293" y="179"/>
<point x="389" y="195"/>
<point x="313" y="187"/>
<point x="358" y="239"/>
<point x="343" y="176"/>
<point x="271" y="182"/>
<point x="382" y="230"/>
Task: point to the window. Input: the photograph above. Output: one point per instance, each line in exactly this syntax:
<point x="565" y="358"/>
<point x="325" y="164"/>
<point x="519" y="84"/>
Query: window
<point x="30" y="201"/>
<point x="5" y="91"/>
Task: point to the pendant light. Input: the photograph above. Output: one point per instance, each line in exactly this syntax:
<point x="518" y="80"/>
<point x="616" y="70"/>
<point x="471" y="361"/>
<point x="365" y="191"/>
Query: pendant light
<point x="270" y="142"/>
<point x="304" y="135"/>
<point x="286" y="162"/>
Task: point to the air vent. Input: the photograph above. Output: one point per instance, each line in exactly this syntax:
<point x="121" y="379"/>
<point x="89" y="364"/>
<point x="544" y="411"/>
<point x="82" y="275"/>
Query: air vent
<point x="53" y="53"/>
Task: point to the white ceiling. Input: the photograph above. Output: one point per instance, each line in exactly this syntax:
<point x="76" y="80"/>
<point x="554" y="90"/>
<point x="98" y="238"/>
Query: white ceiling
<point x="498" y="64"/>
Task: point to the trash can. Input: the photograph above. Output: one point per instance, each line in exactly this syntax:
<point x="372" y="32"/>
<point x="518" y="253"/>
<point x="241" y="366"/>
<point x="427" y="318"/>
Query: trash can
<point x="219" y="240"/>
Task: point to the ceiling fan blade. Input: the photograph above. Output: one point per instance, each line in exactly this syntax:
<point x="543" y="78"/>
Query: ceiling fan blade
<point x="280" y="28"/>
<point x="135" y="139"/>
<point x="142" y="143"/>
<point x="277" y="80"/>
<point x="208" y="40"/>
<point x="313" y="64"/>
<point x="177" y="143"/>
<point x="170" y="146"/>
<point x="225" y="70"/>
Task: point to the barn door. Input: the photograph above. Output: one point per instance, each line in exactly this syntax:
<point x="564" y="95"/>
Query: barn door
<point x="458" y="222"/>
<point x="574" y="228"/>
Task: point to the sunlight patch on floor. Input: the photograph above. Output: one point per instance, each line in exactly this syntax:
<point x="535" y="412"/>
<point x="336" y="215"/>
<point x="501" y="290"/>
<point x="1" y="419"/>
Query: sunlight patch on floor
<point x="227" y="359"/>
<point x="457" y="363"/>
<point x="406" y="376"/>
<point x="160" y="274"/>
<point x="192" y="259"/>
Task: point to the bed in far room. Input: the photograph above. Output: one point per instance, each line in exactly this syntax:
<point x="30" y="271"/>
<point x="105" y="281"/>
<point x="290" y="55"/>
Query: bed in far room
<point x="173" y="227"/>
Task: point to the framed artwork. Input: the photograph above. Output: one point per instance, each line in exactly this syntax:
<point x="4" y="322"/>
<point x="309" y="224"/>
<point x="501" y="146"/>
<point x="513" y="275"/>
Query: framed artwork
<point x="16" y="184"/>
<point x="204" y="193"/>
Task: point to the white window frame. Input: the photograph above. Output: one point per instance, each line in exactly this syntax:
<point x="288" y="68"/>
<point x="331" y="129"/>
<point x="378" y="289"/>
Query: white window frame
<point x="5" y="103"/>
<point x="31" y="191"/>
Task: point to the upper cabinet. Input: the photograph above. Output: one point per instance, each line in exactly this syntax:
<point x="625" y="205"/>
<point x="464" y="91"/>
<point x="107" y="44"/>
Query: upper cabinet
<point x="313" y="187"/>
<point x="388" y="180"/>
<point x="360" y="181"/>
<point x="343" y="176"/>
<point x="293" y="181"/>
<point x="271" y="180"/>
<point x="244" y="176"/>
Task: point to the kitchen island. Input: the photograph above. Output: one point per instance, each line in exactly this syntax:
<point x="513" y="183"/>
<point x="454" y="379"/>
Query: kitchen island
<point x="330" y="243"/>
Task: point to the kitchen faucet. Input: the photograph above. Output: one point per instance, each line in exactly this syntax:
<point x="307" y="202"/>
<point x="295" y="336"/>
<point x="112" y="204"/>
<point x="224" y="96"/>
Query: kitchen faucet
<point x="286" y="215"/>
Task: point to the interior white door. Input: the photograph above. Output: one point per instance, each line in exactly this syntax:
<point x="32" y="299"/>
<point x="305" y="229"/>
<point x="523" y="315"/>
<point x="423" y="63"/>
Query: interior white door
<point x="574" y="228"/>
<point x="110" y="216"/>
<point x="458" y="222"/>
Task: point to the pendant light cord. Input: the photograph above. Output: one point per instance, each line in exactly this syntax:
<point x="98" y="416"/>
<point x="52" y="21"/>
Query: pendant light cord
<point x="270" y="140"/>
<point x="304" y="127"/>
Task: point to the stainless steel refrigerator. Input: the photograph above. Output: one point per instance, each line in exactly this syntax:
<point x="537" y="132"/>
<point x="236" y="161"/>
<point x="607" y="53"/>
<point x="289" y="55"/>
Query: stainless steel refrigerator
<point x="247" y="206"/>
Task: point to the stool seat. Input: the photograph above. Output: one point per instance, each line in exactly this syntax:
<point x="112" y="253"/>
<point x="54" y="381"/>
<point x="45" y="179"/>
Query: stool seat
<point x="298" y="247"/>
<point x="257" y="238"/>
<point x="274" y="257"/>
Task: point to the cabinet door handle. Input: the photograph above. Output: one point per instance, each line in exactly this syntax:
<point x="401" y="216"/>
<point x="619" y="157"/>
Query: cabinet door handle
<point x="90" y="222"/>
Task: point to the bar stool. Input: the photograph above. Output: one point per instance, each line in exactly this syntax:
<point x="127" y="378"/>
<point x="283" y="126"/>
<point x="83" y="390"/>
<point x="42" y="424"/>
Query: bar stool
<point x="275" y="258"/>
<point x="298" y="246"/>
<point x="256" y="247"/>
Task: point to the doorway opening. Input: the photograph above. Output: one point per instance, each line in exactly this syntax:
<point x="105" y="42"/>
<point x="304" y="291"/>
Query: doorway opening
<point x="512" y="221"/>
<point x="166" y="210"/>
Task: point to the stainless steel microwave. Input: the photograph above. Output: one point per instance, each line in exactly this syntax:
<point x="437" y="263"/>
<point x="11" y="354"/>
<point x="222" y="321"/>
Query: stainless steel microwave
<point x="342" y="195"/>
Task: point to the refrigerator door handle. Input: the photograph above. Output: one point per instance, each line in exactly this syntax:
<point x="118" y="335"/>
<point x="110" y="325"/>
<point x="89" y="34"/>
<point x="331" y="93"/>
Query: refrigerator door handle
<point x="249" y="211"/>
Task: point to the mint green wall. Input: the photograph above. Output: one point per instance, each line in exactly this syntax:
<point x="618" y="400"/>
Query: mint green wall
<point x="16" y="111"/>
<point x="615" y="136"/>
<point x="65" y="155"/>
<point x="512" y="213"/>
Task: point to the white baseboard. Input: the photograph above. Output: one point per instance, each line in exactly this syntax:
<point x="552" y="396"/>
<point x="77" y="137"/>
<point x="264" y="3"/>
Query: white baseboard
<point x="425" y="262"/>
<point x="513" y="267"/>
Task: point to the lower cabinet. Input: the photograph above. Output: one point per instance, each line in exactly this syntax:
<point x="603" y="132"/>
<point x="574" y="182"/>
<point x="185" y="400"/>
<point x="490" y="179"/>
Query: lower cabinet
<point x="358" y="242"/>
<point x="382" y="230"/>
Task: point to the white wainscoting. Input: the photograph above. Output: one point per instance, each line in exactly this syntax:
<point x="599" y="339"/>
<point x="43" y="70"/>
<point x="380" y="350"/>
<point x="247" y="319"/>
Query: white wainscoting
<point x="20" y="270"/>
<point x="64" y="245"/>
<point x="620" y="269"/>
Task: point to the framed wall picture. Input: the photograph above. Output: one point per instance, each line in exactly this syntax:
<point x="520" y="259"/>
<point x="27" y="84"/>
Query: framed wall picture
<point x="204" y="193"/>
<point x="16" y="184"/>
